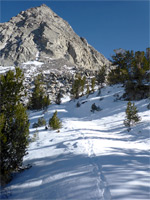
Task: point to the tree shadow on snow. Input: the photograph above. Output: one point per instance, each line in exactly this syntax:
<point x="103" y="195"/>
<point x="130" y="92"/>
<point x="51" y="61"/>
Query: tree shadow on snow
<point x="128" y="173"/>
<point x="62" y="177"/>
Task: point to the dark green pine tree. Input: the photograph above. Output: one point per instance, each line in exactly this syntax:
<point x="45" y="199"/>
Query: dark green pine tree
<point x="41" y="122"/>
<point x="83" y="82"/>
<point x="76" y="87"/>
<point x="87" y="90"/>
<point x="38" y="99"/>
<point x="93" y="80"/>
<point x="14" y="126"/>
<point x="122" y="67"/>
<point x="132" y="116"/>
<point x="139" y="58"/>
<point x="55" y="122"/>
<point x="129" y="66"/>
<point x="101" y="76"/>
<point x="46" y="101"/>
<point x="58" y="98"/>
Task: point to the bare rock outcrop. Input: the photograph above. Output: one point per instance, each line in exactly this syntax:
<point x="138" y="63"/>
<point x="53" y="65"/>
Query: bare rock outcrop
<point x="39" y="33"/>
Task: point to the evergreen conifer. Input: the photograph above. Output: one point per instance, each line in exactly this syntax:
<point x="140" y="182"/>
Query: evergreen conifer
<point x="101" y="76"/>
<point x="58" y="98"/>
<point x="54" y="122"/>
<point x="87" y="90"/>
<point x="41" y="122"/>
<point x="14" y="126"/>
<point x="78" y="86"/>
<point x="132" y="116"/>
<point x="83" y="82"/>
<point x="93" y="80"/>
<point x="38" y="99"/>
<point x="129" y="66"/>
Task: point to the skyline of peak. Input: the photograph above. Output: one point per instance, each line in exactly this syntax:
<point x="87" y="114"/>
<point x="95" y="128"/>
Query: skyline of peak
<point x="105" y="25"/>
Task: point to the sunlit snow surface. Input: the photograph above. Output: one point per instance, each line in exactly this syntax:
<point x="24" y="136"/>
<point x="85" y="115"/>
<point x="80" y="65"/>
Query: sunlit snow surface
<point x="31" y="65"/>
<point x="6" y="69"/>
<point x="36" y="63"/>
<point x="92" y="157"/>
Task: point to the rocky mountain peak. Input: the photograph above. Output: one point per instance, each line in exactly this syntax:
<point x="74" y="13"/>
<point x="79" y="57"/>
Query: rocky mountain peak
<point x="40" y="31"/>
<point x="36" y="14"/>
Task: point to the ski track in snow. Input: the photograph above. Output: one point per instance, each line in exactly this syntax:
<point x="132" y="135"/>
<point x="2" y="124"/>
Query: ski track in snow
<point x="92" y="157"/>
<point x="101" y="181"/>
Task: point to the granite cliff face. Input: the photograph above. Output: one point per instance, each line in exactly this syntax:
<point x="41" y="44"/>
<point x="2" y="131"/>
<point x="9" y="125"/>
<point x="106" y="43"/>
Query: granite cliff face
<point x="39" y="34"/>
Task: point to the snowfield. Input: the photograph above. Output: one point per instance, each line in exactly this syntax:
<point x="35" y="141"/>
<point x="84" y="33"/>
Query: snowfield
<point x="92" y="157"/>
<point x="6" y="69"/>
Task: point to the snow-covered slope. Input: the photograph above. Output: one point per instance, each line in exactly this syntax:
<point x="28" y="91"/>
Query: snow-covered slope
<point x="92" y="157"/>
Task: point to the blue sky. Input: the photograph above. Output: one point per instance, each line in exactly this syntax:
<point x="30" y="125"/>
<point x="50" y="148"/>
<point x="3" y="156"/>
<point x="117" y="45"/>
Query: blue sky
<point x="107" y="25"/>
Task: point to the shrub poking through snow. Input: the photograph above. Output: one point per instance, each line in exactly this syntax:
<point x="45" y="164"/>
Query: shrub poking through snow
<point x="132" y="116"/>
<point x="78" y="104"/>
<point x="41" y="122"/>
<point x="95" y="108"/>
<point x="55" y="122"/>
<point x="35" y="136"/>
<point x="35" y="125"/>
<point x="101" y="99"/>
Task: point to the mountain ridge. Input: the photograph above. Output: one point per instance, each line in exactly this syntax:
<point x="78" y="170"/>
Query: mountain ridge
<point x="39" y="30"/>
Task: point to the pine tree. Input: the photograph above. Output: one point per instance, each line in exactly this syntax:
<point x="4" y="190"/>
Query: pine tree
<point x="58" y="98"/>
<point x="131" y="115"/>
<point x="14" y="126"/>
<point x="101" y="76"/>
<point x="83" y="82"/>
<point x="122" y="67"/>
<point x="41" y="122"/>
<point x="129" y="66"/>
<point x="54" y="122"/>
<point x="93" y="80"/>
<point x="76" y="86"/>
<point x="46" y="101"/>
<point x="87" y="90"/>
<point x="39" y="100"/>
<point x="139" y="58"/>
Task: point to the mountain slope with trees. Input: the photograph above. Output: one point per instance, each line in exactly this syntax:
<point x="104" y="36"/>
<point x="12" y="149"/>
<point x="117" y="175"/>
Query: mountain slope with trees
<point x="93" y="149"/>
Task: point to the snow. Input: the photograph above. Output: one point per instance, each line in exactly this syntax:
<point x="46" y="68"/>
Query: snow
<point x="32" y="67"/>
<point x="2" y="46"/>
<point x="36" y="63"/>
<point x="6" y="69"/>
<point x="37" y="55"/>
<point x="92" y="157"/>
